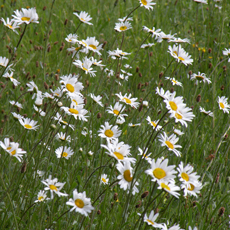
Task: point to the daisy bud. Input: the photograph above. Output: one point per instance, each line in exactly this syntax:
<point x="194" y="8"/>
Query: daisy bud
<point x="27" y="75"/>
<point x="150" y="54"/>
<point x="209" y="50"/>
<point x="23" y="169"/>
<point x="226" y="136"/>
<point x="190" y="72"/>
<point x="137" y="69"/>
<point x="18" y="109"/>
<point x="56" y="77"/>
<point x="53" y="126"/>
<point x="217" y="178"/>
<point x="65" y="22"/>
<point x="24" y="115"/>
<point x="14" y="87"/>
<point x="115" y="196"/>
<point x="139" y="86"/>
<point x="221" y="211"/>
<point x="55" y="43"/>
<point x="99" y="115"/>
<point x="222" y="88"/>
<point x="210" y="65"/>
<point x="37" y="64"/>
<point x="146" y="83"/>
<point x="34" y="76"/>
<point x="159" y="112"/>
<point x="59" y="104"/>
<point x="44" y="8"/>
<point x="112" y="203"/>
<point x="138" y="204"/>
<point x="145" y="194"/>
<point x="198" y="99"/>
<point x="33" y="115"/>
<point x="99" y="212"/>
<point x="156" y="210"/>
<point x="161" y="84"/>
<point x="61" y="48"/>
<point x="140" y="74"/>
<point x="224" y="68"/>
<point x="3" y="86"/>
<point x="85" y="101"/>
<point x="46" y="85"/>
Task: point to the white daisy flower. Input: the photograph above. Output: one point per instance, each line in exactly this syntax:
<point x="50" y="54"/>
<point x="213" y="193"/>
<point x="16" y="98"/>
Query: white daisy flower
<point x="17" y="104"/>
<point x="122" y="26"/>
<point x="39" y="111"/>
<point x="17" y="116"/>
<point x="117" y="110"/>
<point x="143" y="46"/>
<point x="64" y="152"/>
<point x="86" y="66"/>
<point x="174" y="81"/>
<point x="170" y="143"/>
<point x="28" y="123"/>
<point x="151" y="220"/>
<point x="41" y="196"/>
<point x="162" y="36"/>
<point x="84" y="17"/>
<point x="170" y="188"/>
<point x="226" y="52"/>
<point x="201" y="1"/>
<point x="109" y="132"/>
<point x="54" y="186"/>
<point x="72" y="38"/>
<point x="223" y="104"/>
<point x="104" y="179"/>
<point x="26" y="16"/>
<point x="128" y="100"/>
<point x="11" y="24"/>
<point x="191" y="189"/>
<point x="118" y="54"/>
<point x="200" y="77"/>
<point x="134" y="125"/>
<point x="80" y="203"/>
<point x="154" y="124"/>
<point x="97" y="99"/>
<point x="90" y="153"/>
<point x="152" y="31"/>
<point x="179" y="40"/>
<point x="77" y="111"/>
<point x="63" y="137"/>
<point x="32" y="87"/>
<point x="144" y="154"/>
<point x="178" y="132"/>
<point x="92" y="44"/>
<point x="57" y="92"/>
<point x="39" y="98"/>
<point x="97" y="63"/>
<point x="58" y="118"/>
<point x="210" y="113"/>
<point x="147" y="4"/>
<point x="3" y="61"/>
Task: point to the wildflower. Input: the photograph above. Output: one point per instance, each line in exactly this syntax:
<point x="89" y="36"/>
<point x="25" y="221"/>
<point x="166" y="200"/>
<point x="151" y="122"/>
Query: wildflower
<point x="170" y="188"/>
<point x="226" y="52"/>
<point x="90" y="153"/>
<point x="17" y="104"/>
<point x="3" y="61"/>
<point x="128" y="100"/>
<point x="179" y="40"/>
<point x="201" y="1"/>
<point x="151" y="220"/>
<point x="104" y="179"/>
<point x="57" y="92"/>
<point x="54" y="186"/>
<point x="97" y="99"/>
<point x="39" y="98"/>
<point x="162" y="36"/>
<point x="202" y="110"/>
<point x="72" y="38"/>
<point x="117" y="110"/>
<point x="123" y="26"/>
<point x="191" y="189"/>
<point x="178" y="132"/>
<point x="154" y="124"/>
<point x="11" y="24"/>
<point x="80" y="203"/>
<point x="97" y="63"/>
<point x="170" y="143"/>
<point x="223" y="104"/>
<point x="26" y="16"/>
<point x="147" y="4"/>
<point x="86" y="66"/>
<point x="109" y="132"/>
<point x="200" y="77"/>
<point x="28" y="123"/>
<point x="32" y="87"/>
<point x="63" y="137"/>
<point x="143" y="46"/>
<point x="40" y="111"/>
<point x="144" y="154"/>
<point x="152" y="31"/>
<point x="134" y="125"/>
<point x="58" y="118"/>
<point x="76" y="111"/>
<point x="92" y="44"/>
<point x="84" y="17"/>
<point x="118" y="54"/>
<point x="17" y="116"/>
<point x="64" y="152"/>
<point x="174" y="81"/>
<point x="41" y="196"/>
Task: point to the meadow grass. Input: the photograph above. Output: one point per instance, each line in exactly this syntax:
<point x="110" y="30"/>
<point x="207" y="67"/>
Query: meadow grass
<point x="42" y="57"/>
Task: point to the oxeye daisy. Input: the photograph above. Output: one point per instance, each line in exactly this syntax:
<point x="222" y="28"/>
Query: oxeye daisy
<point x="174" y="81"/>
<point x="128" y="100"/>
<point x="162" y="36"/>
<point x="109" y="132"/>
<point x="210" y="113"/>
<point x="117" y="110"/>
<point x="72" y="38"/>
<point x="201" y="1"/>
<point x="3" y="61"/>
<point x="191" y="189"/>
<point x="97" y="99"/>
<point x="179" y="40"/>
<point x="154" y="124"/>
<point x="76" y="100"/>
<point x="144" y="154"/>
<point x="57" y="92"/>
<point x="97" y="63"/>
<point x="143" y="46"/>
<point x="170" y="188"/>
<point x="58" y="118"/>
<point x="63" y="137"/>
<point x="134" y="125"/>
<point x="92" y="44"/>
<point x="147" y="4"/>
<point x="152" y="31"/>
<point x="226" y="52"/>
<point x="26" y="16"/>
<point x="17" y="104"/>
<point x="64" y="152"/>
<point x="125" y="19"/>
<point x="39" y="98"/>
<point x="200" y="77"/>
<point x="11" y="24"/>
<point x="170" y="143"/>
<point x="16" y="116"/>
<point x="160" y="171"/>
<point x="32" y="87"/>
<point x="80" y="203"/>
<point x="104" y="179"/>
<point x="86" y="66"/>
<point x="151" y="220"/>
<point x="177" y="132"/>
<point x="126" y="176"/>
<point x="28" y="123"/>
<point x="77" y="111"/>
<point x="41" y="196"/>
<point x="39" y="111"/>
<point x="118" y="54"/>
<point x="84" y="17"/>
<point x="54" y="186"/>
<point x="123" y="26"/>
<point x="223" y="104"/>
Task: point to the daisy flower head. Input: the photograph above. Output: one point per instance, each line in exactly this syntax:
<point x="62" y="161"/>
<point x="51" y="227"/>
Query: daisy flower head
<point x="11" y="24"/>
<point x="191" y="189"/>
<point x="125" y="19"/>
<point x="163" y="36"/>
<point x="226" y="52"/>
<point x="147" y="4"/>
<point x="128" y="100"/>
<point x="32" y="87"/>
<point x="41" y="196"/>
<point x="28" y="123"/>
<point x="134" y="125"/>
<point x="178" y="132"/>
<point x="39" y="111"/>
<point x="152" y="31"/>
<point x="80" y="203"/>
<point x="210" y="113"/>
<point x="174" y="81"/>
<point x="223" y="104"/>
<point x="64" y="152"/>
<point x="143" y="46"/>
<point x="122" y="26"/>
<point x="200" y="77"/>
<point x="84" y="17"/>
<point x="144" y="154"/>
<point x="26" y="16"/>
<point x="117" y="110"/>
<point x="170" y="188"/>
<point x="92" y="44"/>
<point x="3" y="61"/>
<point x="179" y="40"/>
<point x="201" y="1"/>
<point x="154" y="124"/>
<point x="54" y="186"/>
<point x="10" y="76"/>
<point x="86" y="66"/>
<point x="126" y="178"/>
<point x="63" y="137"/>
<point x="170" y="143"/>
<point x="17" y="104"/>
<point x="160" y="171"/>
<point x="77" y="111"/>
<point x="104" y="179"/>
<point x="118" y="54"/>
<point x="180" y="54"/>
<point x="151" y="220"/>
<point x="109" y="132"/>
<point x="72" y="38"/>
<point x="97" y="63"/>
<point x="16" y="116"/>
<point x="97" y="99"/>
<point x="58" y="118"/>
<point x="163" y="94"/>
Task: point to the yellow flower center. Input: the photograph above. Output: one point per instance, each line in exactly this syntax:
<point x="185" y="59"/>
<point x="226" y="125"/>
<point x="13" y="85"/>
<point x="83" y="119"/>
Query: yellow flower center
<point x="199" y="77"/>
<point x="123" y="28"/>
<point x="84" y="43"/>
<point x="221" y="105"/>
<point x="75" y="101"/>
<point x="53" y="187"/>
<point x="25" y="19"/>
<point x="173" y="105"/>
<point x="165" y="186"/>
<point x="77" y="48"/>
<point x="191" y="187"/>
<point x="103" y="179"/>
<point x="174" y="81"/>
<point x="185" y="176"/>
<point x="40" y="198"/>
<point x="175" y="52"/>
<point x="13" y="152"/>
<point x="69" y="87"/>
<point x="79" y="203"/>
<point x="9" y="148"/>
<point x="182" y="59"/>
<point x="127" y="175"/>
<point x="84" y="69"/>
<point x="9" y="26"/>
<point x="108" y="133"/>
<point x="153" y="123"/>
<point x="74" y="111"/>
<point x="150" y="221"/>
<point x="116" y="112"/>
<point x="82" y="19"/>
<point x="28" y="126"/>
<point x="118" y="155"/>
<point x="169" y="144"/>
<point x="93" y="46"/>
<point x="128" y="101"/>
<point x="178" y="116"/>
<point x="159" y="173"/>
<point x="64" y="122"/>
<point x="64" y="154"/>
<point x="144" y="2"/>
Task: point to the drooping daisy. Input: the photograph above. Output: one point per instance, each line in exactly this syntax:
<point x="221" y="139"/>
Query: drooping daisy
<point x="54" y="186"/>
<point x="58" y="118"/>
<point x="226" y="52"/>
<point x="174" y="81"/>
<point x="191" y="189"/>
<point x="92" y="44"/>
<point x="57" y="92"/>
<point x="28" y="123"/>
<point x="97" y="99"/>
<point x="72" y="38"/>
<point x="84" y="17"/>
<point x="125" y="19"/>
<point x="104" y="179"/>
<point x="160" y="171"/>
<point x="3" y="61"/>
<point x="39" y="111"/>
<point x="11" y="24"/>
<point x="80" y="203"/>
<point x="32" y="87"/>
<point x="118" y="54"/>
<point x="179" y="40"/>
<point x="123" y="26"/>
<point x="48" y="95"/>
<point x="147" y="4"/>
<point x="174" y="227"/>
<point x="77" y="111"/>
<point x="143" y="46"/>
<point x="26" y="16"/>
<point x="97" y="63"/>
<point x="64" y="152"/>
<point x="63" y="137"/>
<point x="86" y="66"/>
<point x="126" y="176"/>
<point x="223" y="104"/>
<point x="162" y="36"/>
<point x="41" y="196"/>
<point x="163" y="94"/>
<point x="151" y="220"/>
<point x="170" y="188"/>
<point x="200" y="77"/>
<point x="117" y="110"/>
<point x="17" y="116"/>
<point x="210" y="113"/>
<point x="134" y="125"/>
<point x="177" y="132"/>
<point x="128" y="100"/>
<point x="39" y="98"/>
<point x="17" y="104"/>
<point x="109" y="132"/>
<point x="170" y="143"/>
<point x="154" y="124"/>
<point x="152" y="31"/>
